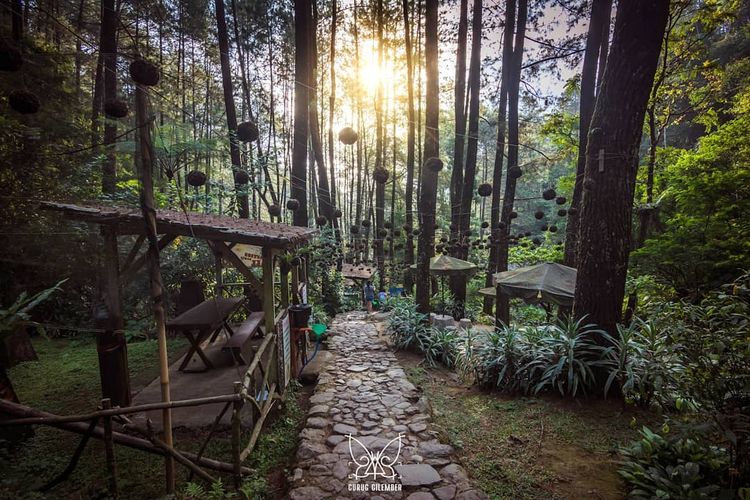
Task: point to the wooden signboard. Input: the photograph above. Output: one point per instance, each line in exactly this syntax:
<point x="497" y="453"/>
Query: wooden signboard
<point x="251" y="255"/>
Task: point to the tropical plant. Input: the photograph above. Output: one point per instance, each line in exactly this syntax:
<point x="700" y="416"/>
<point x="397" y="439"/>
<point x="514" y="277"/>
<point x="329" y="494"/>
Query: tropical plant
<point x="407" y="326"/>
<point x="439" y="346"/>
<point x="641" y="363"/>
<point x="501" y="358"/>
<point x="566" y="358"/>
<point x="674" y="467"/>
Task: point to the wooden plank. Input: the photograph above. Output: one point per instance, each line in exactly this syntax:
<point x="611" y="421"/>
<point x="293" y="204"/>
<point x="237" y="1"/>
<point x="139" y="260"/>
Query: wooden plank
<point x="208" y="314"/>
<point x="129" y="273"/>
<point x="237" y="263"/>
<point x="270" y="400"/>
<point x="256" y="359"/>
<point x="245" y="330"/>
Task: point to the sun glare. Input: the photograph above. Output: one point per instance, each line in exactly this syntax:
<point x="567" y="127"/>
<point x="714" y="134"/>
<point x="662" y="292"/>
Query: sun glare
<point x="371" y="73"/>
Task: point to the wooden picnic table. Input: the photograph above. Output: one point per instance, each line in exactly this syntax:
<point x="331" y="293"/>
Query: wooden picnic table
<point x="207" y="319"/>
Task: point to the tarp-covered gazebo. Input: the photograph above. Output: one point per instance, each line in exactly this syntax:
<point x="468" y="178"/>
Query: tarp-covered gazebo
<point x="548" y="282"/>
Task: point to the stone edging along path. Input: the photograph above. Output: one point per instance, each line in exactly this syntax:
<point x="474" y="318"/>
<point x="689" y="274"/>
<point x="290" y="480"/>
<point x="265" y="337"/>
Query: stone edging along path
<point x="368" y="433"/>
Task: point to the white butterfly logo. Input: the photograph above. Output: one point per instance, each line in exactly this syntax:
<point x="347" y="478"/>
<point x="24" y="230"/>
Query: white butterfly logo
<point x="374" y="464"/>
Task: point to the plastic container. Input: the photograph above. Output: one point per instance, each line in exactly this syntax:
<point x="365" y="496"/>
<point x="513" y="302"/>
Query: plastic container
<point x="299" y="315"/>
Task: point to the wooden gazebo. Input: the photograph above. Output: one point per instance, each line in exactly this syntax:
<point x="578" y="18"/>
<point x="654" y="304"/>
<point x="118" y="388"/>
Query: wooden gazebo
<point x="221" y="233"/>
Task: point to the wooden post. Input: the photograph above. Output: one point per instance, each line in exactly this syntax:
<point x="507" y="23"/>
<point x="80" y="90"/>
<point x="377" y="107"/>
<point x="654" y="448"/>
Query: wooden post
<point x="111" y="344"/>
<point x="109" y="449"/>
<point x="218" y="274"/>
<point x="295" y="284"/>
<point x="284" y="268"/>
<point x="145" y="167"/>
<point x="236" y="436"/>
<point x="269" y="308"/>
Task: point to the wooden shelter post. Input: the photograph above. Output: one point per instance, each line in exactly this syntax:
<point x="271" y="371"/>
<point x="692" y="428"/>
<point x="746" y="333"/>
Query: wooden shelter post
<point x="111" y="345"/>
<point x="269" y="308"/>
<point x="284" y="281"/>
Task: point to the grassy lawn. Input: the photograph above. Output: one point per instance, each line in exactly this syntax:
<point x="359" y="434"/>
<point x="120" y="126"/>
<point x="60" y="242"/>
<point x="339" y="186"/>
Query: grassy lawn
<point x="65" y="380"/>
<point x="522" y="447"/>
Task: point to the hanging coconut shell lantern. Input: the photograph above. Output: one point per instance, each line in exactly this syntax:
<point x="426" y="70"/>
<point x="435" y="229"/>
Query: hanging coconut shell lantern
<point x="560" y="200"/>
<point x="348" y="136"/>
<point x="434" y="164"/>
<point x="116" y="108"/>
<point x="562" y="212"/>
<point x="337" y="213"/>
<point x="23" y="102"/>
<point x="416" y="232"/>
<point x="406" y="228"/>
<point x="513" y="215"/>
<point x="292" y="204"/>
<point x="387" y="224"/>
<point x="515" y="172"/>
<point x="396" y="233"/>
<point x="549" y="194"/>
<point x="144" y="72"/>
<point x="196" y="178"/>
<point x="354" y="229"/>
<point x="380" y="175"/>
<point x="274" y="210"/>
<point x="365" y="223"/>
<point x="10" y="56"/>
<point x="484" y="189"/>
<point x="241" y="177"/>
<point x="321" y="220"/>
<point x="248" y="131"/>
<point x="444" y="240"/>
<point x="553" y="229"/>
<point x="527" y="234"/>
<point x="544" y="227"/>
<point x="536" y="241"/>
<point x="382" y="233"/>
<point x="539" y="215"/>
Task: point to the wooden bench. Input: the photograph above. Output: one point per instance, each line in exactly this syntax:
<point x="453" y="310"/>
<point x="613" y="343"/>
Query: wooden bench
<point x="242" y="333"/>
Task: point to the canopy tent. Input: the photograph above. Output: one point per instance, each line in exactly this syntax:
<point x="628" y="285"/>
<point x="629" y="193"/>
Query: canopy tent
<point x="548" y="282"/>
<point x="443" y="265"/>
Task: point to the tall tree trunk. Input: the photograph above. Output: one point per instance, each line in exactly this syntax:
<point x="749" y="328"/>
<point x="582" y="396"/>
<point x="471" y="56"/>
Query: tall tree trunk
<point x="609" y="182"/>
<point x="331" y="108"/>
<point x="379" y="160"/>
<point x="429" y="178"/>
<point x="226" y="81"/>
<point x="597" y="24"/>
<point x="324" y="194"/>
<point x="409" y="190"/>
<point x="459" y="113"/>
<point x="497" y="173"/>
<point x="502" y="309"/>
<point x="458" y="284"/>
<point x="16" y="19"/>
<point x="108" y="48"/>
<point x="298" y="182"/>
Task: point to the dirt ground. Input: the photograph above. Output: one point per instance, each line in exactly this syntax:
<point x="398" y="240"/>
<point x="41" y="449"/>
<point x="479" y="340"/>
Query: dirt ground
<point x="524" y="447"/>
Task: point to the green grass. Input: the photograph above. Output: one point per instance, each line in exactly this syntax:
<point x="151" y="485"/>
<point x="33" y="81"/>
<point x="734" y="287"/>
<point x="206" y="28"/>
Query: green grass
<point x="65" y="380"/>
<point x="517" y="447"/>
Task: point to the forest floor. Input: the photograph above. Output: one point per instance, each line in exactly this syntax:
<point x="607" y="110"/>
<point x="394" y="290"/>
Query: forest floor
<point x="523" y="447"/>
<point x="65" y="380"/>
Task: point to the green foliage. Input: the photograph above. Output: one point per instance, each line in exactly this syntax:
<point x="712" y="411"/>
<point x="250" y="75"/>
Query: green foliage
<point x="406" y="325"/>
<point x="708" y="198"/>
<point x="673" y="467"/>
<point x="565" y="359"/>
<point x="500" y="358"/>
<point x="527" y="254"/>
<point x="642" y="363"/>
<point x="439" y="346"/>
<point x="19" y="312"/>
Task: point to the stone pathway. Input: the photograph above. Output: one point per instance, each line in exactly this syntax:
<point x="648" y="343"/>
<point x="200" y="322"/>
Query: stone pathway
<point x="364" y="393"/>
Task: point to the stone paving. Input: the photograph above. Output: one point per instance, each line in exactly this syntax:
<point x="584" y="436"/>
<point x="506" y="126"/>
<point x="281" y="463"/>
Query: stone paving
<point x="364" y="400"/>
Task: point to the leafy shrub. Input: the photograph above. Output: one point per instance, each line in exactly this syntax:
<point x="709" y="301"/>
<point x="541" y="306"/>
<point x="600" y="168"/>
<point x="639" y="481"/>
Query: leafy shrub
<point x="566" y="358"/>
<point x="500" y="359"/>
<point x="439" y="345"/>
<point x="407" y="326"/>
<point x="642" y="363"/>
<point x="673" y="467"/>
